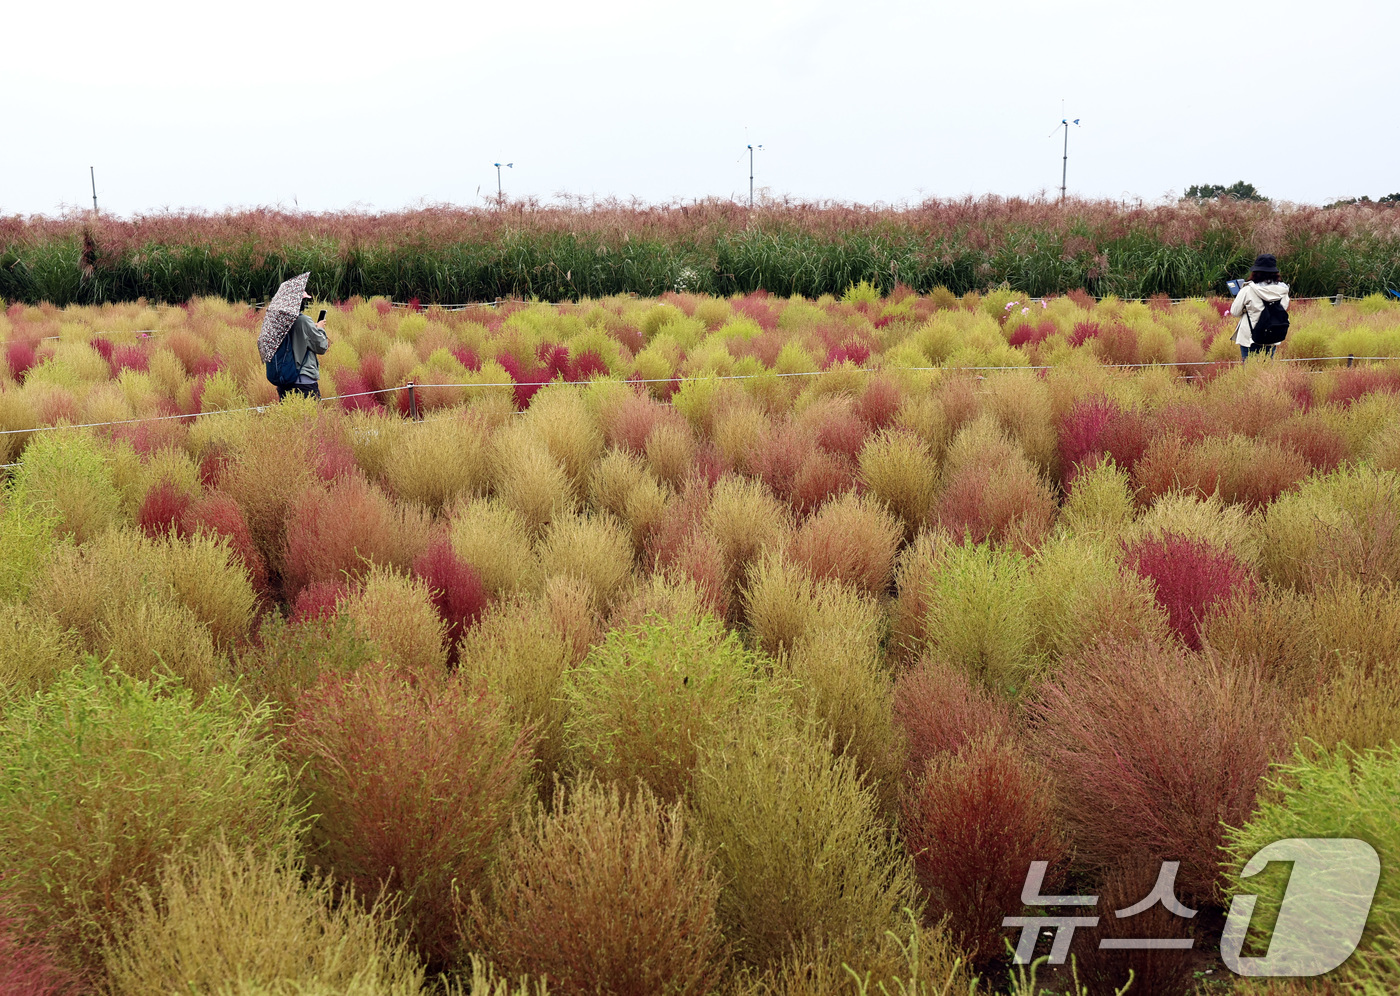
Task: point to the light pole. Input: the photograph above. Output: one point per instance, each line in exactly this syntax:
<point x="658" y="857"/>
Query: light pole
<point x="751" y="174"/>
<point x="499" y="197"/>
<point x="1064" y="168"/>
<point x="92" y="172"/>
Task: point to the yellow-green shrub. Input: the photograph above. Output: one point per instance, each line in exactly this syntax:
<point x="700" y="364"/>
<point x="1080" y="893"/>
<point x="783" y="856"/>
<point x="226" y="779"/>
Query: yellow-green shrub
<point x="745" y="519"/>
<point x="783" y="603"/>
<point x="154" y="605"/>
<point x="436" y="462"/>
<point x="1100" y="503"/>
<point x="606" y="895"/>
<point x="26" y="537"/>
<point x="65" y="474"/>
<point x="490" y="536"/>
<point x="560" y="418"/>
<point x="1343" y="524"/>
<point x="900" y="471"/>
<point x="517" y="651"/>
<point x="622" y="486"/>
<point x="1078" y="595"/>
<point x="978" y="615"/>
<point x="650" y="697"/>
<point x="396" y="614"/>
<point x="249" y="921"/>
<point x="593" y="549"/>
<point x="768" y="803"/>
<point x="102" y="777"/>
<point x="838" y="679"/>
<point x="528" y="479"/>
<point x="34" y="650"/>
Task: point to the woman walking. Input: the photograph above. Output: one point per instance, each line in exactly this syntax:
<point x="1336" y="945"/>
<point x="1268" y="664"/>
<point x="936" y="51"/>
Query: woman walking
<point x="1263" y="287"/>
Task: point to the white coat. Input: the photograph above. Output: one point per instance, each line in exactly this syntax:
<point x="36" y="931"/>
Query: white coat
<point x="1249" y="305"/>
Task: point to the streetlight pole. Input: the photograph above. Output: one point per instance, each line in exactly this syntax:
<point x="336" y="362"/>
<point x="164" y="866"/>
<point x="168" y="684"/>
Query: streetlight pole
<point x="92" y="172"/>
<point x="751" y="175"/>
<point x="1064" y="168"/>
<point x="500" y="198"/>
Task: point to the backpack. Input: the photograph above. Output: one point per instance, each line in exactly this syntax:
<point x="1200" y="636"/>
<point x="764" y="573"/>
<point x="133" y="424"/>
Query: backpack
<point x="1272" y="325"/>
<point x="283" y="369"/>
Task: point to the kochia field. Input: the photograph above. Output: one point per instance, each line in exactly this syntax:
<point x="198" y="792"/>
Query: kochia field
<point x="687" y="644"/>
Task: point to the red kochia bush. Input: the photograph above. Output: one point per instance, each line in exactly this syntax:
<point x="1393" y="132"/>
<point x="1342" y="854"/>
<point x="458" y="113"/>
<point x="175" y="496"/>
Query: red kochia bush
<point x="628" y="421"/>
<point x="1117" y="344"/>
<point x="1083" y="332"/>
<point x="1004" y="504"/>
<point x="586" y="366"/>
<point x="1357" y="382"/>
<point x="28" y="967"/>
<point x="456" y="590"/>
<point x="219" y="515"/>
<point x="880" y="402"/>
<point x="318" y="601"/>
<point x="528" y="378"/>
<point x="412" y="783"/>
<point x="163" y="509"/>
<point x="334" y="532"/>
<point x="821" y="476"/>
<point x="21" y="356"/>
<point x="372" y="370"/>
<point x="132" y="357"/>
<point x="941" y="709"/>
<point x="1154" y="748"/>
<point x="1099" y="427"/>
<point x="1027" y="334"/>
<point x="1323" y="447"/>
<point x="841" y="432"/>
<point x="974" y="821"/>
<point x="1190" y="576"/>
<point x="353" y="390"/>
<point x="780" y="454"/>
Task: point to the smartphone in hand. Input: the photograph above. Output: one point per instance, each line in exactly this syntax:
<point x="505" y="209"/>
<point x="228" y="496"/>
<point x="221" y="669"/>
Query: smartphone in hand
<point x="321" y="317"/>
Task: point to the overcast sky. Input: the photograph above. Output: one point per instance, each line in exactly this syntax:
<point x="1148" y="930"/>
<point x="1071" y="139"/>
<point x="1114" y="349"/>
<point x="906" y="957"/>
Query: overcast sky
<point x="325" y="105"/>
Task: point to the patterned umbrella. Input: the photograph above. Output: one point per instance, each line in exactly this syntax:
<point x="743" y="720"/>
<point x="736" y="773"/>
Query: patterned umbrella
<point x="281" y="315"/>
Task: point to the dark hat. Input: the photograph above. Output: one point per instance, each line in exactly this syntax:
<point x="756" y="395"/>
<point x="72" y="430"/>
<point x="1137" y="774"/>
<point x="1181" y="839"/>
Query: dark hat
<point x="1264" y="264"/>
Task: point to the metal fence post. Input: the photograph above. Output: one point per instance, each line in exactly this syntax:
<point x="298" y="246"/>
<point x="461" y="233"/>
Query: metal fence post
<point x="1350" y="357"/>
<point x="412" y="403"/>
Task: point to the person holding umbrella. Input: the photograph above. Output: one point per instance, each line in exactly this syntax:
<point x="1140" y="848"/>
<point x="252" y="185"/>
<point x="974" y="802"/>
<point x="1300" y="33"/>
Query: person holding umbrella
<point x="290" y="342"/>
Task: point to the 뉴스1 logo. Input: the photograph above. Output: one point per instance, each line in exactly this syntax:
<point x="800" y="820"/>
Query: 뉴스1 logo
<point x="1323" y="912"/>
<point x="1321" y="917"/>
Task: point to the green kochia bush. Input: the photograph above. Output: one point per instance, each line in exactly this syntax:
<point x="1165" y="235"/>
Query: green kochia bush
<point x="804" y="855"/>
<point x="103" y="777"/>
<point x="65" y="475"/>
<point x="649" y="698"/>
<point x="978" y="618"/>
<point x="26" y="536"/>
<point x="1331" y="794"/>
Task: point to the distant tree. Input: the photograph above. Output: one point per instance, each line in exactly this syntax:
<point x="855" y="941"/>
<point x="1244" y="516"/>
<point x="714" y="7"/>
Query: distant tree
<point x="1238" y="191"/>
<point x="1363" y="199"/>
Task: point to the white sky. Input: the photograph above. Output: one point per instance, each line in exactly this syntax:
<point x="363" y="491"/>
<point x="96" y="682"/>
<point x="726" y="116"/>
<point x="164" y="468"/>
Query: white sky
<point x="330" y="105"/>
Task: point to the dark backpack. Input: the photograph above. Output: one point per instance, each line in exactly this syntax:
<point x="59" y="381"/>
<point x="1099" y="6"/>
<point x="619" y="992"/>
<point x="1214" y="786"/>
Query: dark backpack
<point x="282" y="369"/>
<point x="1272" y="325"/>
